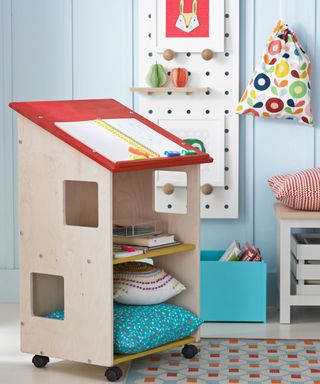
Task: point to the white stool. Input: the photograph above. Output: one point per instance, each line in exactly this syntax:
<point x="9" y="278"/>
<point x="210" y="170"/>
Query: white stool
<point x="287" y="219"/>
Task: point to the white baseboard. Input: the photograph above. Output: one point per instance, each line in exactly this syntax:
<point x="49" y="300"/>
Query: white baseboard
<point x="9" y="285"/>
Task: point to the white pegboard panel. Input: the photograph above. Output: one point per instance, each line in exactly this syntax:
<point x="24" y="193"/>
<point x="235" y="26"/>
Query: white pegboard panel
<point x="211" y="134"/>
<point x="221" y="75"/>
<point x="175" y="202"/>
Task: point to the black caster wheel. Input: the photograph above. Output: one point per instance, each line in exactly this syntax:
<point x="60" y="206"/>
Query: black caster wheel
<point x="113" y="373"/>
<point x="40" y="361"/>
<point x="189" y="351"/>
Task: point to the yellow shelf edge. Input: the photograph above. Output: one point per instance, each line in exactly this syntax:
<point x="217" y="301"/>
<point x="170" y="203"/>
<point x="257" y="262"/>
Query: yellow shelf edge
<point x="118" y="359"/>
<point x="157" y="252"/>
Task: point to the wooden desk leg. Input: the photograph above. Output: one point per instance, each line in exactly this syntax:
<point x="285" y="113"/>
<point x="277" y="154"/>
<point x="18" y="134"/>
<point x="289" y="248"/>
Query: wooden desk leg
<point x="285" y="270"/>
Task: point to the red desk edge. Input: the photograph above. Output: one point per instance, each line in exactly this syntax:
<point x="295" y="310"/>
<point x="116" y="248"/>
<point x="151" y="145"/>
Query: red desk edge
<point x="46" y="113"/>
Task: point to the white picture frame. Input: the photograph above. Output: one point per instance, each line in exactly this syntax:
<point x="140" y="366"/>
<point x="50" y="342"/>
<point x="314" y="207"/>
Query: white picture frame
<point x="215" y="40"/>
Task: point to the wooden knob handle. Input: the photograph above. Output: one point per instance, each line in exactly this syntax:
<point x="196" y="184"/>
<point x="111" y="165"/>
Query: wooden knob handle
<point x="207" y="54"/>
<point x="207" y="189"/>
<point x="168" y="189"/>
<point x="168" y="54"/>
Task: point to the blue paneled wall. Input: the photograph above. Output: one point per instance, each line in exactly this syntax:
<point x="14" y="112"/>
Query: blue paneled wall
<point x="59" y="49"/>
<point x="268" y="147"/>
<point x="66" y="49"/>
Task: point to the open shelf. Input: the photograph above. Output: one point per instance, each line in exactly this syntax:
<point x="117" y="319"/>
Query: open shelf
<point x="118" y="359"/>
<point x="186" y="90"/>
<point x="157" y="252"/>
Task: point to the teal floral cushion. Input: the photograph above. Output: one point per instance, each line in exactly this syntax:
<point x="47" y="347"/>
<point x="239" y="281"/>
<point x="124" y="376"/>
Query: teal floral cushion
<point x="57" y="315"/>
<point x="139" y="328"/>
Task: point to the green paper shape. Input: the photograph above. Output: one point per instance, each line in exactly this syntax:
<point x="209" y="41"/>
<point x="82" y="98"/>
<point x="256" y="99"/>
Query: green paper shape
<point x="157" y="76"/>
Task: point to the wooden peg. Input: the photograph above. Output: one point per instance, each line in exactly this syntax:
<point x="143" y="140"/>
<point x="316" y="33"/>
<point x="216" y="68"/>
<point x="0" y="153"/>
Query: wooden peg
<point x="168" y="189"/>
<point x="168" y="54"/>
<point x="207" y="189"/>
<point x="207" y="54"/>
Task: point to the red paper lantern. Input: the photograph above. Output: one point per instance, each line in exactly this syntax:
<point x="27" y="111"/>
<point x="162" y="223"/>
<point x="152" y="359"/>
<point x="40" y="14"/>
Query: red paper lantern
<point x="179" y="77"/>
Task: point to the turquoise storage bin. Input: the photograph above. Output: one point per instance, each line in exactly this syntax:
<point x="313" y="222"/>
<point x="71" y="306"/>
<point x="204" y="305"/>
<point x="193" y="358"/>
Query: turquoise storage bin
<point x="232" y="291"/>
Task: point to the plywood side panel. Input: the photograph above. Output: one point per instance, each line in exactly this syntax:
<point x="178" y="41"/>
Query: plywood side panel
<point x="133" y="195"/>
<point x="81" y="255"/>
<point x="134" y="198"/>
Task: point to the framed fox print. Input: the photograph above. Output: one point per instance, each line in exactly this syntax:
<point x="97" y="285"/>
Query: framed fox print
<point x="190" y="25"/>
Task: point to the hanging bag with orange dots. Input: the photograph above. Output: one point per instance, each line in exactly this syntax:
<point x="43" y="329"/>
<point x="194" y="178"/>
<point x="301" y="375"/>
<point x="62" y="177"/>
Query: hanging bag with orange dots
<point x="280" y="87"/>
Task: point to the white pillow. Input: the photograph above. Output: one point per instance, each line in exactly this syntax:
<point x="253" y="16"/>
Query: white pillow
<point x="140" y="283"/>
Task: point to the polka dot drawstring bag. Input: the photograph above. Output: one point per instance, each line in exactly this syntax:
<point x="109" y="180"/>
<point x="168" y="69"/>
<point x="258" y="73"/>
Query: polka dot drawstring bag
<point x="280" y="87"/>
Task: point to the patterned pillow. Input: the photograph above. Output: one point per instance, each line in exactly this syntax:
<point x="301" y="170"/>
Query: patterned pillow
<point x="140" y="283"/>
<point x="57" y="315"/>
<point x="298" y="191"/>
<point x="139" y="328"/>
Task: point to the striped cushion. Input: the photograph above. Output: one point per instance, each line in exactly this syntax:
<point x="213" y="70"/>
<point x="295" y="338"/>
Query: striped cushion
<point x="298" y="191"/>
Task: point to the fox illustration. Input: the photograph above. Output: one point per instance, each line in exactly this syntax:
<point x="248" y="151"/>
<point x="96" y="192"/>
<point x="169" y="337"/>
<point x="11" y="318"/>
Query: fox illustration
<point x="187" y="22"/>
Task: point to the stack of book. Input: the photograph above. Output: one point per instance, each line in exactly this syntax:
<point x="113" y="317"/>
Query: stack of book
<point x="121" y="251"/>
<point x="141" y="244"/>
<point x="132" y="237"/>
<point x="237" y="253"/>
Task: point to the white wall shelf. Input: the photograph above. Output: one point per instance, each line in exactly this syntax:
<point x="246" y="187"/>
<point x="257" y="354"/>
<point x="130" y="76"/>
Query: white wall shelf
<point x="186" y="90"/>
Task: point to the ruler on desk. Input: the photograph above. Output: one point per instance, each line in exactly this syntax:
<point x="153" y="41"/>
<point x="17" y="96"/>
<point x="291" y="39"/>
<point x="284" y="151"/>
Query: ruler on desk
<point x="127" y="138"/>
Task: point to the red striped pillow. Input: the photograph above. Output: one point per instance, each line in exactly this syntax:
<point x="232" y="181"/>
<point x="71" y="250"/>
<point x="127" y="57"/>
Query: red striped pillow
<point x="298" y="191"/>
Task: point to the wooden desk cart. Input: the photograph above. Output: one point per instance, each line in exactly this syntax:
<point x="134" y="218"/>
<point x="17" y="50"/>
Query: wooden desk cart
<point x="69" y="194"/>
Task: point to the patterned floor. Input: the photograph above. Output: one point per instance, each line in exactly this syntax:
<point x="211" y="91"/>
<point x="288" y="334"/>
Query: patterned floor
<point x="233" y="361"/>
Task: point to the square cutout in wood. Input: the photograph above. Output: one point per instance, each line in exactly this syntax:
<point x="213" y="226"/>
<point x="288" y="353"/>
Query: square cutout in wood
<point x="81" y="203"/>
<point x="47" y="293"/>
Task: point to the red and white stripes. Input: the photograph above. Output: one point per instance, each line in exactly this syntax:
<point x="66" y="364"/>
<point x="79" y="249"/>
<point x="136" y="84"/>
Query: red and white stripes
<point x="298" y="191"/>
